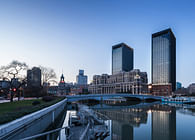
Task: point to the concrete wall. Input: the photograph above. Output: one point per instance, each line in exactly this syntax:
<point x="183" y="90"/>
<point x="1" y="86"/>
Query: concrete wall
<point x="33" y="123"/>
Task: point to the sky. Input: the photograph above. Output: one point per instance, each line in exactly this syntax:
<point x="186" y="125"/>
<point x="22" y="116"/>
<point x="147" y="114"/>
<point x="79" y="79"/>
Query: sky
<point x="68" y="35"/>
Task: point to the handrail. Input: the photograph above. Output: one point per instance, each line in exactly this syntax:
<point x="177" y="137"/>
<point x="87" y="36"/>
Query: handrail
<point x="102" y="115"/>
<point x="8" y="128"/>
<point x="85" y="132"/>
<point x="44" y="134"/>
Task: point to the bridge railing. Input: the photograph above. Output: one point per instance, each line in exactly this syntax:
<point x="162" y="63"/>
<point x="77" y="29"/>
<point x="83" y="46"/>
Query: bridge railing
<point x="44" y="116"/>
<point x="47" y="134"/>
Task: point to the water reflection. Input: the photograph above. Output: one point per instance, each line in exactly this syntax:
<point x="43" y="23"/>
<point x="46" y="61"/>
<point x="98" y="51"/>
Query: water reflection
<point x="163" y="123"/>
<point x="122" y="131"/>
<point x="127" y="122"/>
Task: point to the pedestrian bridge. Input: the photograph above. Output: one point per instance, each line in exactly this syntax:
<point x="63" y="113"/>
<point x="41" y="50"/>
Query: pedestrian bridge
<point x="100" y="97"/>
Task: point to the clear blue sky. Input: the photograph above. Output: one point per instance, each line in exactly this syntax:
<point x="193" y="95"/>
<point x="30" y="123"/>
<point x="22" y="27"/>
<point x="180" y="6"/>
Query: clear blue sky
<point x="79" y="34"/>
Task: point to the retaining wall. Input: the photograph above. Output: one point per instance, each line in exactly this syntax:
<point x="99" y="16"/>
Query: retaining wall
<point x="33" y="123"/>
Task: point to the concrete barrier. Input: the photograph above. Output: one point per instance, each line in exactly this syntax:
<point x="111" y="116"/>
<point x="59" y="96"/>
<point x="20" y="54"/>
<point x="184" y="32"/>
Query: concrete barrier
<point x="33" y="123"/>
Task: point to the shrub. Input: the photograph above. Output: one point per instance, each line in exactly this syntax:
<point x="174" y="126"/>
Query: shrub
<point x="48" y="98"/>
<point x="35" y="103"/>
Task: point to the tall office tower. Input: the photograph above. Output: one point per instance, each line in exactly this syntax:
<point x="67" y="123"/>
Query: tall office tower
<point x="122" y="58"/>
<point x="81" y="78"/>
<point x="34" y="77"/>
<point x="164" y="59"/>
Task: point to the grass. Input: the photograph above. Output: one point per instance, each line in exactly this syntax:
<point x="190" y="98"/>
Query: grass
<point x="13" y="110"/>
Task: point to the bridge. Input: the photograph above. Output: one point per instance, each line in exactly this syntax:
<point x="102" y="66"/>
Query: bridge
<point x="100" y="97"/>
<point x="110" y="107"/>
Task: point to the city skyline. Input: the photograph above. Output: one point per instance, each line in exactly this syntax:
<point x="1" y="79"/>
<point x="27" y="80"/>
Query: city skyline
<point x="76" y="35"/>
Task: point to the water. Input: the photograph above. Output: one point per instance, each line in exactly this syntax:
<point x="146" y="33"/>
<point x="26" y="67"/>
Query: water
<point x="150" y="121"/>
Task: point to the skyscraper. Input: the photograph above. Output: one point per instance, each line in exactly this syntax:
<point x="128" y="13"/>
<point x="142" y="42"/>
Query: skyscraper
<point x="164" y="58"/>
<point x="81" y="78"/>
<point x="122" y="58"/>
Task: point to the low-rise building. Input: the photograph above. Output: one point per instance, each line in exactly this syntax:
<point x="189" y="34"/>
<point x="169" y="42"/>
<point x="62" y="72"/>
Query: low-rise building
<point x="53" y="90"/>
<point x="79" y="89"/>
<point x="161" y="89"/>
<point x="191" y="88"/>
<point x="181" y="92"/>
<point x="63" y="88"/>
<point x="133" y="82"/>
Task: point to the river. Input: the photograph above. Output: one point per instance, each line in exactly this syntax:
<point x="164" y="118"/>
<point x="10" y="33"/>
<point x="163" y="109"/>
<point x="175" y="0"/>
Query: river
<point x="150" y="121"/>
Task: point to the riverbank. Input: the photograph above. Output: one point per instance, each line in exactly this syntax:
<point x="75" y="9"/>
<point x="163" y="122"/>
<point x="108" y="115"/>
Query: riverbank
<point x="13" y="110"/>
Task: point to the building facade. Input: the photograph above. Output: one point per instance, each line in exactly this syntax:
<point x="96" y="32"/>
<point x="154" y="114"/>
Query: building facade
<point x="191" y="88"/>
<point x="122" y="58"/>
<point x="81" y="79"/>
<point x="34" y="77"/>
<point x="164" y="59"/>
<point x="178" y="85"/>
<point x="63" y="87"/>
<point x="133" y="82"/>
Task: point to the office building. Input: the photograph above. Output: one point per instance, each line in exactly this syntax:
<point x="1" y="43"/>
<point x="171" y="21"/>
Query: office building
<point x="164" y="62"/>
<point x="178" y="85"/>
<point x="34" y="77"/>
<point x="132" y="82"/>
<point x="122" y="58"/>
<point x="81" y="79"/>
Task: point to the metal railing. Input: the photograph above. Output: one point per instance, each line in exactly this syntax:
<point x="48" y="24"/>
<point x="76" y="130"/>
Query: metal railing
<point x="8" y="129"/>
<point x="47" y="134"/>
<point x="85" y="132"/>
<point x="102" y="116"/>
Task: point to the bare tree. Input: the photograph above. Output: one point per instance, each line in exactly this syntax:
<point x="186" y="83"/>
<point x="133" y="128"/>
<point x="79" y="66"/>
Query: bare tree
<point x="15" y="69"/>
<point x="48" y="74"/>
<point x="14" y="73"/>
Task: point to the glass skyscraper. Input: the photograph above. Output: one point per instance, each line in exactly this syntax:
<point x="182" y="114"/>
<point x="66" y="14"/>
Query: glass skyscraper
<point x="122" y="58"/>
<point x="164" y="58"/>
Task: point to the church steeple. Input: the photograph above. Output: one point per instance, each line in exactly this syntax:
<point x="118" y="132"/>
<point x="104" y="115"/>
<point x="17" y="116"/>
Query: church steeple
<point x="62" y="79"/>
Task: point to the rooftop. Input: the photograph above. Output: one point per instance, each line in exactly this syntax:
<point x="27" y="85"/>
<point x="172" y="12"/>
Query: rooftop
<point x="163" y="32"/>
<point x="120" y="45"/>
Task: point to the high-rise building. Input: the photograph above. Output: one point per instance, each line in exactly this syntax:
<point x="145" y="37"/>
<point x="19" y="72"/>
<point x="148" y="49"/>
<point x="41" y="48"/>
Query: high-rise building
<point x="81" y="78"/>
<point x="178" y="85"/>
<point x="34" y="77"/>
<point x="164" y="59"/>
<point x="122" y="58"/>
